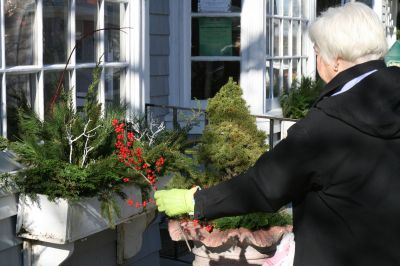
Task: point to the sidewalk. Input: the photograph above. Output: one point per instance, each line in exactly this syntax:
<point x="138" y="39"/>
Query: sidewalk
<point x="173" y="253"/>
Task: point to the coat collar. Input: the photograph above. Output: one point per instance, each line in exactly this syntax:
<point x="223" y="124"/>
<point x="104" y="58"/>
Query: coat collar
<point x="345" y="76"/>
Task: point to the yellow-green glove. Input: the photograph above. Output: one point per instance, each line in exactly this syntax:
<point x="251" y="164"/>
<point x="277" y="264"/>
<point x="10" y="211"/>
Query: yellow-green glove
<point x="175" y="201"/>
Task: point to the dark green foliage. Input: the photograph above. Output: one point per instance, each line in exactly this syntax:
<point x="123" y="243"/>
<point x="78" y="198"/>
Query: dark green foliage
<point x="3" y="143"/>
<point x="173" y="146"/>
<point x="296" y="102"/>
<point x="254" y="221"/>
<point x="110" y="210"/>
<point x="53" y="152"/>
<point x="230" y="144"/>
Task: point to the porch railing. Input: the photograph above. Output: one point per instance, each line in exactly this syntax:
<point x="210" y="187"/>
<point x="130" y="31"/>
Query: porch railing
<point x="175" y="109"/>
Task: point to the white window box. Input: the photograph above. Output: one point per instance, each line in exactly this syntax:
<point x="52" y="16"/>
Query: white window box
<point x="62" y="222"/>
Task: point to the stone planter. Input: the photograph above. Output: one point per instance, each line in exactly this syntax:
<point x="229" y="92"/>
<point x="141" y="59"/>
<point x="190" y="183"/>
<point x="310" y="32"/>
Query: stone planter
<point x="230" y="247"/>
<point x="62" y="222"/>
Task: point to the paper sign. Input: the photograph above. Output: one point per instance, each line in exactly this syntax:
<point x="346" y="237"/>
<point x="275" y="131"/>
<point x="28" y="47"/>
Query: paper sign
<point x="215" y="36"/>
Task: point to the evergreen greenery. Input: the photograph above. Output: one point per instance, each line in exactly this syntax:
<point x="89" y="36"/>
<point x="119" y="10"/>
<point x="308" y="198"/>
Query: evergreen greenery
<point x="71" y="154"/>
<point x="297" y="101"/>
<point x="230" y="144"/>
<point x="254" y="221"/>
<point x="3" y="143"/>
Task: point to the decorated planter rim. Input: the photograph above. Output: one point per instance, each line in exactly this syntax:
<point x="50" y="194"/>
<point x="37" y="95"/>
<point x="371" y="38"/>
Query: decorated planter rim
<point x="187" y="229"/>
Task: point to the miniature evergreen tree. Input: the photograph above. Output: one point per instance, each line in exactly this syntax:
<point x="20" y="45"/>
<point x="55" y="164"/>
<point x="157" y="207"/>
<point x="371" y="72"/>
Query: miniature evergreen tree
<point x="230" y="144"/>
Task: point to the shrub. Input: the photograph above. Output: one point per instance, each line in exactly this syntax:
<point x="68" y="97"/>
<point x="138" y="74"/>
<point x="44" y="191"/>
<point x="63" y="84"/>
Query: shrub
<point x="230" y="144"/>
<point x="296" y="102"/>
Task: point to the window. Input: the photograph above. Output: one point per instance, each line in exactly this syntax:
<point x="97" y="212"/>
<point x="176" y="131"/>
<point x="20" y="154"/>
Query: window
<point x="215" y="45"/>
<point x="38" y="39"/>
<point x="285" y="58"/>
<point x="260" y="44"/>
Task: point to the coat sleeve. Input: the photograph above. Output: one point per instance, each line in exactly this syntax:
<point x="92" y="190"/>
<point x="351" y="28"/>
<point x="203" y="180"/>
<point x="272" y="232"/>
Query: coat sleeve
<point x="278" y="177"/>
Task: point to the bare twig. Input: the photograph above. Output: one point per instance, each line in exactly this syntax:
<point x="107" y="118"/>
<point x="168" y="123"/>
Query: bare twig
<point x="86" y="133"/>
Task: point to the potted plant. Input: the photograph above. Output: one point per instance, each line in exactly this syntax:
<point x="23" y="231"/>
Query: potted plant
<point x="75" y="181"/>
<point x="297" y="101"/>
<point x="230" y="144"/>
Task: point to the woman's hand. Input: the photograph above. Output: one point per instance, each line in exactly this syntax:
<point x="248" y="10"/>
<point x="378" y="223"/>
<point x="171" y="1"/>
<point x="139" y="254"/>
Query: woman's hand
<point x="175" y="201"/>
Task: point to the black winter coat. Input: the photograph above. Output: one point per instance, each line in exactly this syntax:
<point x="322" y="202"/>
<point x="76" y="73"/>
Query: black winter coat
<point x="340" y="167"/>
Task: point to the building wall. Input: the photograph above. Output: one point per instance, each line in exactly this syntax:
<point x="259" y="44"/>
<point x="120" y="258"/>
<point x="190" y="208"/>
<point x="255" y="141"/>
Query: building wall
<point x="101" y="249"/>
<point x="159" y="51"/>
<point x="10" y="245"/>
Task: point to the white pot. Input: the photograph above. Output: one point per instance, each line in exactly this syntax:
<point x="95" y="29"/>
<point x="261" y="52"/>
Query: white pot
<point x="62" y="222"/>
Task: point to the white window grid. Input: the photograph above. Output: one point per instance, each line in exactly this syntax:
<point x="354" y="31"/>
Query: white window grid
<point x="280" y="60"/>
<point x="38" y="68"/>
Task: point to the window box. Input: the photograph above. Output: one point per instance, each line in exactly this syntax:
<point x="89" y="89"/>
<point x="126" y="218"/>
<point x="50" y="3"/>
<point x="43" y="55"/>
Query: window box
<point x="63" y="222"/>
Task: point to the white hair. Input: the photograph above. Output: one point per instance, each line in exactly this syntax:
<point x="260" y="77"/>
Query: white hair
<point x="352" y="32"/>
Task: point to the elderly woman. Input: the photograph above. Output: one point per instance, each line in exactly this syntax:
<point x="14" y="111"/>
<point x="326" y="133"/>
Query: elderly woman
<point x="339" y="166"/>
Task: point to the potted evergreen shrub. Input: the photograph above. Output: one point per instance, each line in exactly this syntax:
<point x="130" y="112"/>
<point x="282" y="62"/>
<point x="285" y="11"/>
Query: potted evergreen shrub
<point x="230" y="144"/>
<point x="297" y="101"/>
<point x="75" y="181"/>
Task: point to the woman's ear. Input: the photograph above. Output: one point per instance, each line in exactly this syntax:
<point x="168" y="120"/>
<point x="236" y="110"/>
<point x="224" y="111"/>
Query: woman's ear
<point x="335" y="64"/>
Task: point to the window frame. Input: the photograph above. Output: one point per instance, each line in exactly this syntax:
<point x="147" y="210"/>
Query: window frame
<point x="252" y="61"/>
<point x="304" y="59"/>
<point x="133" y="48"/>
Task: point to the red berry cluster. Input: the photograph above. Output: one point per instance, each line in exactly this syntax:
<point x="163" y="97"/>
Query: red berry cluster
<point x="208" y="227"/>
<point x="133" y="158"/>
<point x="138" y="204"/>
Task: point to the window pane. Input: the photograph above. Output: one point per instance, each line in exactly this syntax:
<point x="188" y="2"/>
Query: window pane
<point x="276" y="36"/>
<point x="20" y="93"/>
<point x="272" y="84"/>
<point x="113" y="86"/>
<point x="85" y="25"/>
<point x="51" y="80"/>
<point x="83" y="80"/>
<point x="215" y="36"/>
<point x="278" y="8"/>
<point x="269" y="37"/>
<point x="286" y="25"/>
<point x="296" y="8"/>
<point x="19" y="20"/>
<point x="216" y="5"/>
<point x="295" y="70"/>
<point x="323" y="5"/>
<point x="55" y="21"/>
<point x="113" y="18"/>
<point x="286" y="7"/>
<point x="269" y="7"/>
<point x="295" y="41"/>
<point x="209" y="77"/>
<point x="367" y="2"/>
<point x="268" y="78"/>
<point x="285" y="77"/>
